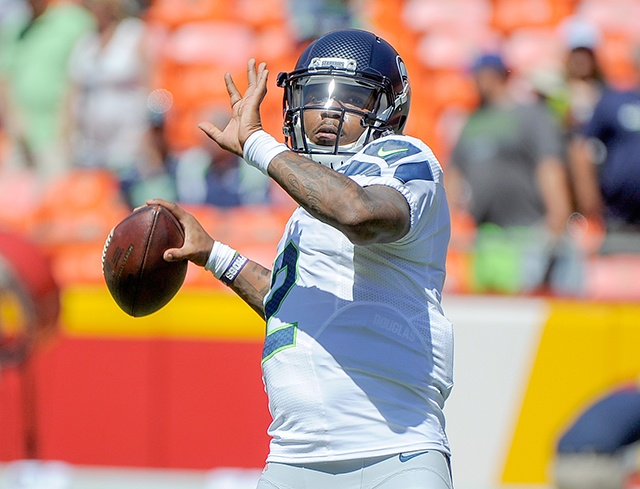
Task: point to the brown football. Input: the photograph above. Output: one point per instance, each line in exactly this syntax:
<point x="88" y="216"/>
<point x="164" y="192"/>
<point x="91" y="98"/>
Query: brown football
<point x="137" y="276"/>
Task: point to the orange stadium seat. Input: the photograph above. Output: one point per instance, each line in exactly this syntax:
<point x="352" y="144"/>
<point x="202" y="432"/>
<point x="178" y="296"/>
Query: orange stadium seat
<point x="75" y="263"/>
<point x="459" y="271"/>
<point x="451" y="88"/>
<point x="259" y="224"/>
<point x="528" y="49"/>
<point x="175" y="13"/>
<point x="445" y="50"/>
<point x="384" y="17"/>
<point x="253" y="230"/>
<point x="192" y="64"/>
<point x="510" y="15"/>
<point x="81" y="206"/>
<point x="226" y="44"/>
<point x="616" y="57"/>
<point x="614" y="16"/>
<point x="277" y="46"/>
<point x="262" y="14"/>
<point x="428" y="15"/>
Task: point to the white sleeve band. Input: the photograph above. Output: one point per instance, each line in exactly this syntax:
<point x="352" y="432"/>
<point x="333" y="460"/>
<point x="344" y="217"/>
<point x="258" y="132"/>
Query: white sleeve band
<point x="220" y="258"/>
<point x="260" y="148"/>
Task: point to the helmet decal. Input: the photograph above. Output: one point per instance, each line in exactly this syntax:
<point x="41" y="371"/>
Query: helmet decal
<point x="348" y="65"/>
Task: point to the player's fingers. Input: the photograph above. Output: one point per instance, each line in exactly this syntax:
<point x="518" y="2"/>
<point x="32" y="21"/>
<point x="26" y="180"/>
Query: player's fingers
<point x="234" y="94"/>
<point x="251" y="72"/>
<point x="261" y="85"/>
<point x="262" y="67"/>
<point x="171" y="206"/>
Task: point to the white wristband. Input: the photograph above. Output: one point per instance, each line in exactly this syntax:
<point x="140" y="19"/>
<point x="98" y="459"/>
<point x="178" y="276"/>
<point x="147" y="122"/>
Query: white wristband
<point x="260" y="148"/>
<point x="220" y="258"/>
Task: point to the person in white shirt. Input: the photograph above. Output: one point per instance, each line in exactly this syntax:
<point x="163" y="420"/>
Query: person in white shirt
<point x="358" y="354"/>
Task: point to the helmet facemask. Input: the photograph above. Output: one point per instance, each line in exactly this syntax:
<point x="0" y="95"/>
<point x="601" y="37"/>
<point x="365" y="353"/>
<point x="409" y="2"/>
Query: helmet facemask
<point x="338" y="94"/>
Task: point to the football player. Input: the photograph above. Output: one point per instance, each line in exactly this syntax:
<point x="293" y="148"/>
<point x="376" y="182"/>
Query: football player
<point x="357" y="359"/>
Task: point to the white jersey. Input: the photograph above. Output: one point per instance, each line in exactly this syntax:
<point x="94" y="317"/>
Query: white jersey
<point x="358" y="356"/>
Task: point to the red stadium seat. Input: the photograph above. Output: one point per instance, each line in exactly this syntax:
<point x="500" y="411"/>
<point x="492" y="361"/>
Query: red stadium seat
<point x="613" y="277"/>
<point x="19" y="199"/>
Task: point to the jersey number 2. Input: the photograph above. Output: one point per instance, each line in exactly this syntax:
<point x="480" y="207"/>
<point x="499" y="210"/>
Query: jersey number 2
<point x="284" y="336"/>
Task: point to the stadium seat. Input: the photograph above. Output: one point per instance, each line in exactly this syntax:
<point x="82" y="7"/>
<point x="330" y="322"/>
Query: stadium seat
<point x="534" y="48"/>
<point x="191" y="66"/>
<point x="613" y="16"/>
<point x="451" y="88"/>
<point x="429" y="15"/>
<point x="227" y="44"/>
<point x="258" y="224"/>
<point x="262" y="14"/>
<point x="510" y="15"/>
<point x="81" y="206"/>
<point x="77" y="263"/>
<point x="175" y="13"/>
<point x="19" y="199"/>
<point x="613" y="277"/>
<point x="616" y="57"/>
<point x="459" y="270"/>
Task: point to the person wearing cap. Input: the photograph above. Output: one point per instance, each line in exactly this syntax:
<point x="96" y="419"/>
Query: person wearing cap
<point x="507" y="173"/>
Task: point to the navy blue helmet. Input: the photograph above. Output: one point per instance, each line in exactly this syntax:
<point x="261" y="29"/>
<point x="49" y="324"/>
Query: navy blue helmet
<point x="353" y="72"/>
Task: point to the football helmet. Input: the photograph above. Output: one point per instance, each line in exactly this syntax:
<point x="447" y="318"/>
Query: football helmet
<point x="345" y="73"/>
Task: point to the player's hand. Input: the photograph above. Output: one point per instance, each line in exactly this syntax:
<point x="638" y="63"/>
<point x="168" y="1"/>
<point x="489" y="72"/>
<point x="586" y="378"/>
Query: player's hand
<point x="197" y="242"/>
<point x="245" y="110"/>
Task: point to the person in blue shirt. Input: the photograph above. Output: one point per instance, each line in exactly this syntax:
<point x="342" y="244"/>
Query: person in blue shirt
<point x="606" y="162"/>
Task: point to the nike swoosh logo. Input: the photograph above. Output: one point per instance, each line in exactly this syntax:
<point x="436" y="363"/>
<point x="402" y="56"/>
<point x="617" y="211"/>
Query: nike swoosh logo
<point x="382" y="152"/>
<point x="406" y="458"/>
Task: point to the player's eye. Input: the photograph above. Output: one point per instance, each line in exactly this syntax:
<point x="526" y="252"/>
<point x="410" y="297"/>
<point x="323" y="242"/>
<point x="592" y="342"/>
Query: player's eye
<point x="356" y="101"/>
<point x="314" y="96"/>
<point x="359" y="98"/>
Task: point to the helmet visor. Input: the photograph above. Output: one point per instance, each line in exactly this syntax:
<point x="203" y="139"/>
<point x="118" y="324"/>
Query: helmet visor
<point x="326" y="92"/>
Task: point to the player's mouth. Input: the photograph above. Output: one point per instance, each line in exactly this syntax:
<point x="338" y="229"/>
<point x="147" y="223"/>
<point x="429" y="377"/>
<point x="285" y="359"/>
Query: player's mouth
<point x="326" y="134"/>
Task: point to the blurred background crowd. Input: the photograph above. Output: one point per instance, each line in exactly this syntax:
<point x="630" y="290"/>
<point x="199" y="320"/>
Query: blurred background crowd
<point x="532" y="106"/>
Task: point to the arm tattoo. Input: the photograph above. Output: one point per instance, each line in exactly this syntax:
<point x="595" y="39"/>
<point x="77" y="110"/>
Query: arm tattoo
<point x="309" y="187"/>
<point x="252" y="285"/>
<point x="363" y="214"/>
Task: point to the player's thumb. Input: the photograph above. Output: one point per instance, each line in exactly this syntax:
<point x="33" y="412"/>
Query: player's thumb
<point x="209" y="129"/>
<point x="173" y="254"/>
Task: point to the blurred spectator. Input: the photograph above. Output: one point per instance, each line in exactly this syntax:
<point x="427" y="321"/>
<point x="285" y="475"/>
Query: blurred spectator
<point x="13" y="9"/>
<point x="584" y="81"/>
<point x="35" y="52"/>
<point x="606" y="167"/>
<point x="206" y="174"/>
<point x="109" y="116"/>
<point x="584" y="78"/>
<point x="573" y="94"/>
<point x="507" y="172"/>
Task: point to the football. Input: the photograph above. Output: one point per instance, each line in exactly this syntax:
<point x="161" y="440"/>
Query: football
<point x="139" y="279"/>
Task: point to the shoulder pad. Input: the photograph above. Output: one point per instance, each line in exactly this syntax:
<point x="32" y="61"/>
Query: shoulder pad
<point x="391" y="150"/>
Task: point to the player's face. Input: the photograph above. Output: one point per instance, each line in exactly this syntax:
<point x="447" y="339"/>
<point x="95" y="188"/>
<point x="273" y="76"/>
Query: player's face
<point x="325" y="104"/>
